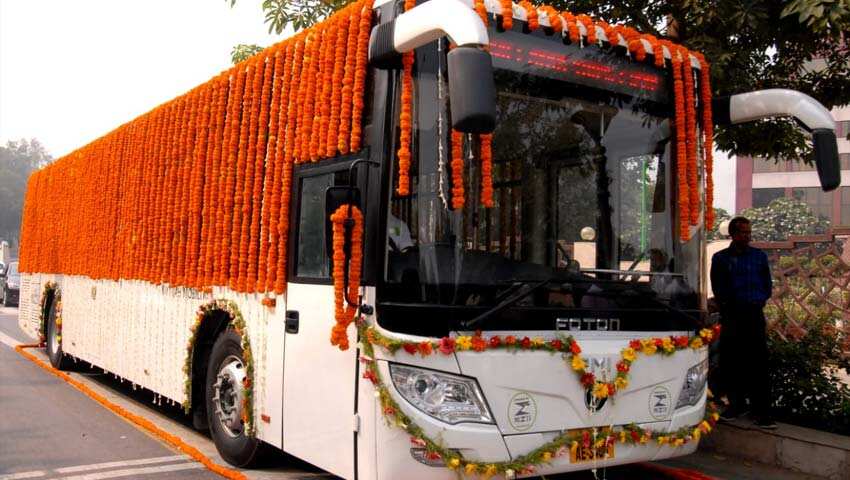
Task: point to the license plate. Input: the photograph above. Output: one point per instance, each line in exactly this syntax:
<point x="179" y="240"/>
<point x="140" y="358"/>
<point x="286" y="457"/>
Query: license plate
<point x="589" y="454"/>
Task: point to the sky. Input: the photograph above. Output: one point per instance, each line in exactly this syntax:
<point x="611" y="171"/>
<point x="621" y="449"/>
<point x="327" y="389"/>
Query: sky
<point x="72" y="70"/>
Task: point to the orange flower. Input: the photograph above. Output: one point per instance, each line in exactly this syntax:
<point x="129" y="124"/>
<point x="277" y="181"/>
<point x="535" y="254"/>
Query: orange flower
<point x="486" y="170"/>
<point x="481" y="10"/>
<point x="589" y="25"/>
<point x="457" y="170"/>
<point x="690" y="138"/>
<point x="530" y="15"/>
<point x="360" y="73"/>
<point x="331" y="140"/>
<point x="343" y="312"/>
<point x="572" y="27"/>
<point x="708" y="138"/>
<point x="555" y="20"/>
<point x="681" y="159"/>
<point x="345" y="120"/>
<point x="239" y="184"/>
<point x="507" y="14"/>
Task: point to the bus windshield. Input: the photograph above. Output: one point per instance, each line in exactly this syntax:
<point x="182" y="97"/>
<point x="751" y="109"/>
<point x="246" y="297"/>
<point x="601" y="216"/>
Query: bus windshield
<point x="584" y="212"/>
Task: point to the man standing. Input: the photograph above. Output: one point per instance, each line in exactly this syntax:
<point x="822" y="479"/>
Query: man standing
<point x="740" y="278"/>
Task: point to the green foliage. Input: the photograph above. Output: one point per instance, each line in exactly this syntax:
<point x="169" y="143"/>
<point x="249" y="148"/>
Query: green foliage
<point x="784" y="217"/>
<point x="17" y="160"/>
<point x="720" y="215"/>
<point x="243" y="52"/>
<point x="805" y="385"/>
<point x="300" y="14"/>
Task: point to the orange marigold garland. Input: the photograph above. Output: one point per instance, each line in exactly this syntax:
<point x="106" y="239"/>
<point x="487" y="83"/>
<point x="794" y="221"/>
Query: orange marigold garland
<point x="481" y="10"/>
<point x="360" y="73"/>
<point x="589" y="26"/>
<point x="554" y="17"/>
<point x="345" y="108"/>
<point x="690" y="138"/>
<point x="487" y="170"/>
<point x="681" y="149"/>
<point x="331" y="141"/>
<point x="343" y="311"/>
<point x="708" y="139"/>
<point x="457" y="170"/>
<point x="507" y="13"/>
<point x="530" y="15"/>
<point x="572" y="27"/>
<point x="405" y="118"/>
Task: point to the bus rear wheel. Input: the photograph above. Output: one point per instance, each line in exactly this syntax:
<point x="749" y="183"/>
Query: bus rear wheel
<point x="225" y="394"/>
<point x="57" y="357"/>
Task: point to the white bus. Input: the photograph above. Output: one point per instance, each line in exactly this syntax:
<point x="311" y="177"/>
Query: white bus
<point x="519" y="215"/>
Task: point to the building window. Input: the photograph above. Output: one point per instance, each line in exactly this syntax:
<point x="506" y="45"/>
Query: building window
<point x="844" y="160"/>
<point x="819" y="201"/>
<point x="768" y="165"/>
<point x="842" y="128"/>
<point x="763" y="196"/>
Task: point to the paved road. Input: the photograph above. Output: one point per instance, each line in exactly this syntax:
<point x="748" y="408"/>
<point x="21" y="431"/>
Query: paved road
<point x="50" y="431"/>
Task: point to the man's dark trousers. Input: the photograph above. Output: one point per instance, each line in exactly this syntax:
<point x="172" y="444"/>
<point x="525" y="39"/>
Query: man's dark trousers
<point x="743" y="358"/>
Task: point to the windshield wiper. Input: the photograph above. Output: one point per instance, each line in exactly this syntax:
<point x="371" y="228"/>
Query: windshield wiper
<point x="523" y="292"/>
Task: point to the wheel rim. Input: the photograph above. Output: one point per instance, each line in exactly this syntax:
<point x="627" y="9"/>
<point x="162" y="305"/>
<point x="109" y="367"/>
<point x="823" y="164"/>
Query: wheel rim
<point x="228" y="394"/>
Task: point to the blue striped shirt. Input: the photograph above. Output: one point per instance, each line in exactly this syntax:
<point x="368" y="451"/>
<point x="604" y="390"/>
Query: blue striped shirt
<point x="741" y="278"/>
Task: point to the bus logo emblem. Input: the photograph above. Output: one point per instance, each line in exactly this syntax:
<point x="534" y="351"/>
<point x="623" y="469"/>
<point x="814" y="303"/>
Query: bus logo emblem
<point x="522" y="411"/>
<point x="659" y="403"/>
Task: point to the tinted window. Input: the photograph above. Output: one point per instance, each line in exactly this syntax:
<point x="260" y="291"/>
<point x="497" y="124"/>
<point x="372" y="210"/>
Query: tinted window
<point x="313" y="261"/>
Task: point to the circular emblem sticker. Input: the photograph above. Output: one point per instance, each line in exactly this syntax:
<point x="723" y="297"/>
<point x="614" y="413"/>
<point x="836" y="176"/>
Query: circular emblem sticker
<point x="522" y="411"/>
<point x="659" y="403"/>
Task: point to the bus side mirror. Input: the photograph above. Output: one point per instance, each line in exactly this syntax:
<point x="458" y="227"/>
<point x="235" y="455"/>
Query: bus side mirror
<point x="472" y="91"/>
<point x="336" y="197"/>
<point x="825" y="148"/>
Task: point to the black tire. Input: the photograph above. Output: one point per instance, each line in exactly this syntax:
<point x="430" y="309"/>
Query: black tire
<point x="57" y="357"/>
<point x="5" y="298"/>
<point x="232" y="443"/>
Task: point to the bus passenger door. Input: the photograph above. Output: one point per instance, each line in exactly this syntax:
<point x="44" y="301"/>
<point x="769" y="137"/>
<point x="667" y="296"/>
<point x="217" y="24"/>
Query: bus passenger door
<point x="319" y="379"/>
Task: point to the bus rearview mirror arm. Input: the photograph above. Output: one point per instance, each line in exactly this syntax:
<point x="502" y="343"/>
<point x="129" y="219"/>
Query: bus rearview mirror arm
<point x="780" y="102"/>
<point x="472" y="90"/>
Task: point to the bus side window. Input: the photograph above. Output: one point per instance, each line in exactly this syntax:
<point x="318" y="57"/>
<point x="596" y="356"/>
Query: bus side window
<point x="312" y="258"/>
<point x="312" y="261"/>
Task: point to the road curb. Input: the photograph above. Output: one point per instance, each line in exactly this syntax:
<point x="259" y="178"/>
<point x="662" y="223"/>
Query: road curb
<point x="789" y="447"/>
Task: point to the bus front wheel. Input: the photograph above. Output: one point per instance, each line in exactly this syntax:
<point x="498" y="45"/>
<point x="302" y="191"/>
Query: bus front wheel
<point x="225" y="395"/>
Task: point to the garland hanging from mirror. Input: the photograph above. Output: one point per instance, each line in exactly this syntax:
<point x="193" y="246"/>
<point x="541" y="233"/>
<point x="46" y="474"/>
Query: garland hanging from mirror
<point x="343" y="310"/>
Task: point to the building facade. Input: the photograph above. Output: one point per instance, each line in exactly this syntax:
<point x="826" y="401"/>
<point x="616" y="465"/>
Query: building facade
<point x="759" y="180"/>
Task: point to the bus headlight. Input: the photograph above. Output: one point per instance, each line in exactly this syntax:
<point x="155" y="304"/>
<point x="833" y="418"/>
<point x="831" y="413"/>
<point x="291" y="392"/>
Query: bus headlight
<point x="446" y="397"/>
<point x="694" y="384"/>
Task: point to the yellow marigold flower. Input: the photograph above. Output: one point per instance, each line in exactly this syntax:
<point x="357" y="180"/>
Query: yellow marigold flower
<point x="600" y="390"/>
<point x="621" y="383"/>
<point x="678" y="442"/>
<point x="538" y="341"/>
<point x="705" y="426"/>
<point x="489" y="471"/>
<point x="696" y="343"/>
<point x="463" y="342"/>
<point x="667" y="345"/>
<point x="599" y="443"/>
<point x="454" y="462"/>
<point x="573" y="447"/>
<point x="707" y="334"/>
<point x="622" y="436"/>
<point x="471" y="468"/>
<point x="546" y="457"/>
<point x="646" y="437"/>
<point x="715" y="416"/>
<point x="648" y="346"/>
<point x="661" y="440"/>
<point x="696" y="433"/>
<point x="628" y="354"/>
<point x="578" y="363"/>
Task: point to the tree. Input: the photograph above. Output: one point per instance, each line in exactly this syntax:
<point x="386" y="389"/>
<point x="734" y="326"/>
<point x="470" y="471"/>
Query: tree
<point x="244" y="51"/>
<point x="752" y="44"/>
<point x="17" y="160"/>
<point x="782" y="218"/>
